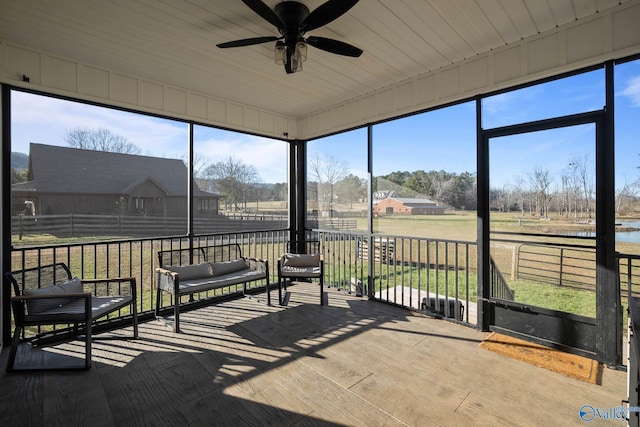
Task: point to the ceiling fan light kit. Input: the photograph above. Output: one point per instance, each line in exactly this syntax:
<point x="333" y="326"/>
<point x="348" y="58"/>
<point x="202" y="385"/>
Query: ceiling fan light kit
<point x="297" y="57"/>
<point x="293" y="20"/>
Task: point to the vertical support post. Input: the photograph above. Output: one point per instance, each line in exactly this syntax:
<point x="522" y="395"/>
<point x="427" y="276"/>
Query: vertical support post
<point x="608" y="305"/>
<point x="484" y="280"/>
<point x="291" y="190"/>
<point x="5" y="236"/>
<point x="370" y="238"/>
<point x="190" y="232"/>
<point x="561" y="264"/>
<point x="301" y="194"/>
<point x="297" y="194"/>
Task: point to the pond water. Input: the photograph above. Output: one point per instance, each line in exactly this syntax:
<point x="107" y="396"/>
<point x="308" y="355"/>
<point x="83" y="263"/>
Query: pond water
<point x="621" y="236"/>
<point x="629" y="236"/>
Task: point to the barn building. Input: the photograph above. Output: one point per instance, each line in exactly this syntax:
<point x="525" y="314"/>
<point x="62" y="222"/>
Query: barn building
<point x="406" y="206"/>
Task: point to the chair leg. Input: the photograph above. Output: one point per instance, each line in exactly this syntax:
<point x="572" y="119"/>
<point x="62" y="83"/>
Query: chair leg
<point x="14" y="348"/>
<point x="134" y="311"/>
<point x="87" y="360"/>
<point x="268" y="292"/>
<point x="158" y="301"/>
<point x="176" y="313"/>
<point x="279" y="290"/>
<point x="321" y="290"/>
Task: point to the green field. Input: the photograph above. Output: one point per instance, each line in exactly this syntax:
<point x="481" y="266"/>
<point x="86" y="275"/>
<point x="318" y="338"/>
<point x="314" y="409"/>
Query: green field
<point x="458" y="226"/>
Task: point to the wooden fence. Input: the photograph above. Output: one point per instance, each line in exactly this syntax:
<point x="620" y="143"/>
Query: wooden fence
<point x="77" y="225"/>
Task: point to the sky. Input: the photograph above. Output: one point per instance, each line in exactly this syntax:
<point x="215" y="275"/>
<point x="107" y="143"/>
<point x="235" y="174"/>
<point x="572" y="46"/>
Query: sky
<point x="443" y="139"/>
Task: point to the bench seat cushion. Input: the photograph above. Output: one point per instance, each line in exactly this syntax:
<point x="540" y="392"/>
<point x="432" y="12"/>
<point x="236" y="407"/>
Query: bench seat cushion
<point x="214" y="282"/>
<point x="73" y="309"/>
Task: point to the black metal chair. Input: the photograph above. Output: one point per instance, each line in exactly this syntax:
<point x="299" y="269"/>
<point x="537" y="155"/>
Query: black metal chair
<point x="304" y="262"/>
<point x="48" y="295"/>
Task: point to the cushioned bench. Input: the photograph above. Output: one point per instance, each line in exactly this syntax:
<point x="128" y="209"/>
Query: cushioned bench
<point x="185" y="272"/>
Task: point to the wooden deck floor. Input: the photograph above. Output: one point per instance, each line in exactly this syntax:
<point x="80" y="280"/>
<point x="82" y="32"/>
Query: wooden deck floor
<point x="354" y="362"/>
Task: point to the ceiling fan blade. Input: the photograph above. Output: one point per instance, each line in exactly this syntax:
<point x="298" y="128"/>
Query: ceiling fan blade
<point x="265" y="12"/>
<point x="248" y="42"/>
<point x="334" y="46"/>
<point x="326" y="13"/>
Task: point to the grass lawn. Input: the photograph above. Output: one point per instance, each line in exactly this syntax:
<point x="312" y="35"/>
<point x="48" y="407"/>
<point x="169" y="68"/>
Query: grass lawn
<point x="457" y="226"/>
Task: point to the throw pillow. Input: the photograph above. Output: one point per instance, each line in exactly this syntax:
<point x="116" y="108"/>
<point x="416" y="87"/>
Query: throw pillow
<point x="302" y="260"/>
<point x="190" y="272"/>
<point x="38" y="306"/>
<point x="220" y="268"/>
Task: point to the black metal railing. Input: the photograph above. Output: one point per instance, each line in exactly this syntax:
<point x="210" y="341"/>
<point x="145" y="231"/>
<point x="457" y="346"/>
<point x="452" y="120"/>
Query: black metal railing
<point x="422" y="274"/>
<point x="499" y="287"/>
<point x="435" y="276"/>
<point x="629" y="277"/>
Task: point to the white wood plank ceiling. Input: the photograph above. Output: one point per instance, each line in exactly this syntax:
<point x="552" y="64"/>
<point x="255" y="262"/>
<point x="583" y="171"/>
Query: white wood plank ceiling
<point x="174" y="42"/>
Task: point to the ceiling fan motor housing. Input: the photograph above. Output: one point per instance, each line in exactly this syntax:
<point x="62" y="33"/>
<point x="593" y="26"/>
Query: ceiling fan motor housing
<point x="291" y="13"/>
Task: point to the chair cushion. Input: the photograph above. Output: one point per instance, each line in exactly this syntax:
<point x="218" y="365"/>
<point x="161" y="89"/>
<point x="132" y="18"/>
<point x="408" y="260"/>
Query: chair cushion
<point x="301" y="260"/>
<point x="37" y="306"/>
<point x="221" y="268"/>
<point x="289" y="271"/>
<point x="190" y="272"/>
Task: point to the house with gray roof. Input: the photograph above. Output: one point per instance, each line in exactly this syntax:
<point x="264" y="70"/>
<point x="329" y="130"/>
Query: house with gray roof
<point x="63" y="180"/>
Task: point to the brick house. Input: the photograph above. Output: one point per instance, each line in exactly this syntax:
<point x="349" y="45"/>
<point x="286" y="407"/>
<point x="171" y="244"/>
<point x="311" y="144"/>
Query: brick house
<point x="406" y="206"/>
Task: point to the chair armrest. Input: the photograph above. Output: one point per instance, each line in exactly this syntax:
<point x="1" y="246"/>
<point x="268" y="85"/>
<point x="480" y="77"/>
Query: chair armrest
<point x="103" y="286"/>
<point x="51" y="296"/>
<point x="166" y="272"/>
<point x="167" y="280"/>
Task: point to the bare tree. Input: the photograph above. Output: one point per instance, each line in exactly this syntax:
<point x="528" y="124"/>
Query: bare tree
<point x="540" y="182"/>
<point x="626" y="195"/>
<point x="199" y="164"/>
<point x="326" y="172"/>
<point x="520" y="193"/>
<point x="234" y="180"/>
<point x="584" y="181"/>
<point x="100" y="140"/>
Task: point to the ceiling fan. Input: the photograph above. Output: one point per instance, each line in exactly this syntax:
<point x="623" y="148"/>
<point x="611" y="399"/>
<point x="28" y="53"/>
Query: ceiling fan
<point x="293" y="20"/>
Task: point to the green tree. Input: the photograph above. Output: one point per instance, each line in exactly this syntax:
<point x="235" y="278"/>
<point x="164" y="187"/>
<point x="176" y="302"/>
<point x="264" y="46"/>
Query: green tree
<point x="18" y="175"/>
<point x="399" y="177"/>
<point x="351" y="189"/>
<point x="420" y="182"/>
<point x="278" y="192"/>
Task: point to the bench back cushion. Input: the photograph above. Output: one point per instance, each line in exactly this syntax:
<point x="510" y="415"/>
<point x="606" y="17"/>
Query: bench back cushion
<point x="190" y="272"/>
<point x="221" y="253"/>
<point x="220" y="268"/>
<point x="37" y="306"/>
